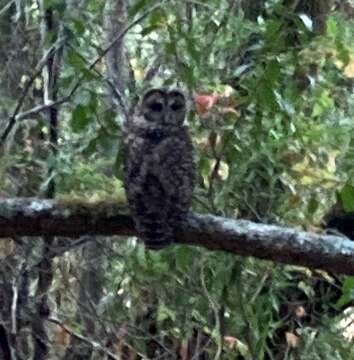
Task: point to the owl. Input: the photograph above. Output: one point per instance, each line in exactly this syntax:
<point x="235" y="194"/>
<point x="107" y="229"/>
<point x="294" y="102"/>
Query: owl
<point x="159" y="170"/>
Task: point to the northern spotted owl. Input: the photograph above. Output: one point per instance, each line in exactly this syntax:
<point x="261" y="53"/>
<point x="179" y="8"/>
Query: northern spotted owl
<point x="159" y="170"/>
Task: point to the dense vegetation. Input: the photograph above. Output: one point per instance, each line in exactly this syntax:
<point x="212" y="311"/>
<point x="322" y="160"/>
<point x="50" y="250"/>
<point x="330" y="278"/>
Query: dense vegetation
<point x="270" y="85"/>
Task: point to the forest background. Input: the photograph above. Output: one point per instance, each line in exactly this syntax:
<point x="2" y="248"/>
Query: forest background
<point x="270" y="86"/>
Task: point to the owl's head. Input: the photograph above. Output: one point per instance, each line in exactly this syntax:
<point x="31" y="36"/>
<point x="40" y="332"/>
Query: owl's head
<point x="164" y="107"/>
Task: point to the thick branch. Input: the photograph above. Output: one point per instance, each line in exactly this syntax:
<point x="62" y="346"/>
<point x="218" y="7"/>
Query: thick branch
<point x="36" y="217"/>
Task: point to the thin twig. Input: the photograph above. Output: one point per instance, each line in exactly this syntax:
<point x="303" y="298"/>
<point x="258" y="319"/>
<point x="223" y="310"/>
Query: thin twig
<point x="216" y="167"/>
<point x="123" y="33"/>
<point x="215" y="309"/>
<point x="6" y="7"/>
<point x="115" y="91"/>
<point x="93" y="343"/>
<point x="14" y="308"/>
<point x="223" y="23"/>
<point x="112" y="43"/>
<point x="58" y="251"/>
<point x="201" y="3"/>
<point x="39" y="67"/>
<point x="39" y="108"/>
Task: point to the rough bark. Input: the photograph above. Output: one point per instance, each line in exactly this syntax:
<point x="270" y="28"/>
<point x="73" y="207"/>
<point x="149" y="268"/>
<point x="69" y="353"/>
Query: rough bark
<point x="115" y="18"/>
<point x="317" y="10"/>
<point x="50" y="74"/>
<point x="35" y="217"/>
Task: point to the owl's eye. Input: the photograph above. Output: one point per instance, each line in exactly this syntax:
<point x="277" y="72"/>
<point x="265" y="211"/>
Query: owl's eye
<point x="156" y="107"/>
<point x="176" y="106"/>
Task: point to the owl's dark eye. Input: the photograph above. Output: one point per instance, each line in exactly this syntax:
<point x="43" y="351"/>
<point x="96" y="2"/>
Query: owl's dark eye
<point x="156" y="107"/>
<point x="176" y="106"/>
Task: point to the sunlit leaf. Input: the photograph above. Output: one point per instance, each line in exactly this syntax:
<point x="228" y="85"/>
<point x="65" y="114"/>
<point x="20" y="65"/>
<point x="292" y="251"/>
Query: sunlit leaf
<point x="331" y="27"/>
<point x="240" y="70"/>
<point x="349" y="69"/>
<point x="307" y="21"/>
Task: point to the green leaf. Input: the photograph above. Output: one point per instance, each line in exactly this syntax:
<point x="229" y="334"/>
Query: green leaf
<point x="118" y="163"/>
<point x="133" y="10"/>
<point x="88" y="74"/>
<point x="332" y="28"/>
<point x="157" y="17"/>
<point x="272" y="72"/>
<point x="266" y="96"/>
<point x="192" y="50"/>
<point x="58" y="5"/>
<point x="184" y="256"/>
<point x="273" y="29"/>
<point x="312" y="205"/>
<point x="347" y="291"/>
<point x="80" y="118"/>
<point x="110" y="122"/>
<point x="188" y="75"/>
<point x="170" y="48"/>
<point x="93" y="102"/>
<point x="75" y="60"/>
<point x="343" y="52"/>
<point x="204" y="165"/>
<point x="346" y="196"/>
<point x="150" y="29"/>
<point x="79" y="26"/>
<point x="91" y="148"/>
<point x="164" y="313"/>
<point x="306" y="288"/>
<point x="317" y="110"/>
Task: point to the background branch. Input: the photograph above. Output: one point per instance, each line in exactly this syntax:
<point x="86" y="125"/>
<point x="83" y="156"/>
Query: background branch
<point x="82" y="338"/>
<point x="37" y="71"/>
<point x="16" y="116"/>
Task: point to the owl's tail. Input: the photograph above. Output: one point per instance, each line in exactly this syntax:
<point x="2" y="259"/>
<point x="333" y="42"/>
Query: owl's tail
<point x="155" y="235"/>
<point x="158" y="241"/>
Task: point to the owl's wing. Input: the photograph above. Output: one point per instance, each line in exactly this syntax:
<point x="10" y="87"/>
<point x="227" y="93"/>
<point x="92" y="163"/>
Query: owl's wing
<point x="145" y="192"/>
<point x="151" y="212"/>
<point x="175" y="168"/>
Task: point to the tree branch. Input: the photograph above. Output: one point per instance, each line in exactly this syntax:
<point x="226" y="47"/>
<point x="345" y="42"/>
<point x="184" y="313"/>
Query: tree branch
<point x="37" y="217"/>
